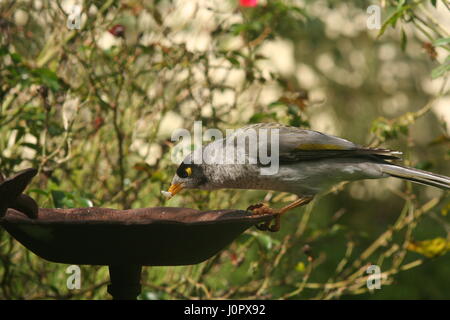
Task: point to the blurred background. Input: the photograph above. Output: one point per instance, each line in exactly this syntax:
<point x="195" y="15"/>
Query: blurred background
<point x="91" y="92"/>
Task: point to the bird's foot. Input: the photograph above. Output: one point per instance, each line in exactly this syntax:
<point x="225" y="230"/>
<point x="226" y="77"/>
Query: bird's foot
<point x="261" y="209"/>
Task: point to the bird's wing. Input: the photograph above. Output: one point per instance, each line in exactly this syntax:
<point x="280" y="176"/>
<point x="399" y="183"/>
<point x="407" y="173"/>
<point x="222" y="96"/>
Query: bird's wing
<point x="297" y="144"/>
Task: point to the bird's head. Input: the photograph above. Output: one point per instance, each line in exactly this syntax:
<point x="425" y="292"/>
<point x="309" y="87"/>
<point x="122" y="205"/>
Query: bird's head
<point x="188" y="176"/>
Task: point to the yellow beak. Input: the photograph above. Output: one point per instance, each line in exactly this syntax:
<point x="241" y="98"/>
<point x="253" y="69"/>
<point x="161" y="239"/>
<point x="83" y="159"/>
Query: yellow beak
<point x="174" y="189"/>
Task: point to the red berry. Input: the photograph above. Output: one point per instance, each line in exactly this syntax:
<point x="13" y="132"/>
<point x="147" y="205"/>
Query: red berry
<point x="118" y="31"/>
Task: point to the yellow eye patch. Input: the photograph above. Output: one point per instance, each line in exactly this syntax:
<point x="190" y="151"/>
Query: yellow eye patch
<point x="188" y="171"/>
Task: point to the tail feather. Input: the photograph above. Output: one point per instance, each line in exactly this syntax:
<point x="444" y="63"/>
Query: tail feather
<point x="416" y="175"/>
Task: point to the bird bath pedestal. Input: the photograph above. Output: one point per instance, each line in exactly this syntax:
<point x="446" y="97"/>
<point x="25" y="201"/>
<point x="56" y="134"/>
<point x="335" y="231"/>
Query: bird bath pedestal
<point x="124" y="240"/>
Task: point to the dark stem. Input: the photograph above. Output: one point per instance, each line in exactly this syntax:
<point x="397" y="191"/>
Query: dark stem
<point x="125" y="281"/>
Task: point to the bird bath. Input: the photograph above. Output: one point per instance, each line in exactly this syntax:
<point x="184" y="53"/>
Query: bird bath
<point x="124" y="240"/>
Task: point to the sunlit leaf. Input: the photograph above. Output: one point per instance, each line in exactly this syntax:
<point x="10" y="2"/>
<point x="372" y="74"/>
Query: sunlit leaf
<point x="440" y="71"/>
<point x="430" y="248"/>
<point x="300" y="267"/>
<point x="441" y="42"/>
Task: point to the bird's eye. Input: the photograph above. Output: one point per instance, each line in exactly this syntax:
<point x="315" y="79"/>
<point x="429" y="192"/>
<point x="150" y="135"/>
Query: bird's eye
<point x="184" y="172"/>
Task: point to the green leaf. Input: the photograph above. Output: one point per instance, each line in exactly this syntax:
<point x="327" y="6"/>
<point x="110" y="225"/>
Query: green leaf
<point x="299" y="10"/>
<point x="20" y="133"/>
<point x="84" y="202"/>
<point x="259" y="117"/>
<point x="237" y="28"/>
<point x="3" y="50"/>
<point x="39" y="191"/>
<point x="441" y="42"/>
<point x="233" y="61"/>
<point x="277" y="104"/>
<point x="16" y="58"/>
<point x="62" y="199"/>
<point x="400" y="4"/>
<point x="48" y="78"/>
<point x="440" y="71"/>
<point x="392" y="19"/>
<point x="430" y="248"/>
<point x="404" y="41"/>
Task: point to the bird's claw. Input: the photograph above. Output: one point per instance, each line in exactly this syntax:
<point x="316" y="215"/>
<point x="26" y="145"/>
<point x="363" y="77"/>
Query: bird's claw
<point x="267" y="227"/>
<point x="255" y="206"/>
<point x="262" y="227"/>
<point x="262" y="209"/>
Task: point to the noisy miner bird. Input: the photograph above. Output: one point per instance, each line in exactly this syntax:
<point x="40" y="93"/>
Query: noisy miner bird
<point x="309" y="162"/>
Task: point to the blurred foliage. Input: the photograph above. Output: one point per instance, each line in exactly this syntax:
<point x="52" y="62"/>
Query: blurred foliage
<point x="93" y="109"/>
<point x="430" y="248"/>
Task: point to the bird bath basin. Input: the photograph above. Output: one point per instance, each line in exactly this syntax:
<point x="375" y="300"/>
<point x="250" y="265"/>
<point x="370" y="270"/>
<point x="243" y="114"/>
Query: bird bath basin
<point x="124" y="240"/>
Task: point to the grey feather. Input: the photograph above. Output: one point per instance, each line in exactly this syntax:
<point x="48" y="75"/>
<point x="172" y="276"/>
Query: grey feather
<point x="297" y="144"/>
